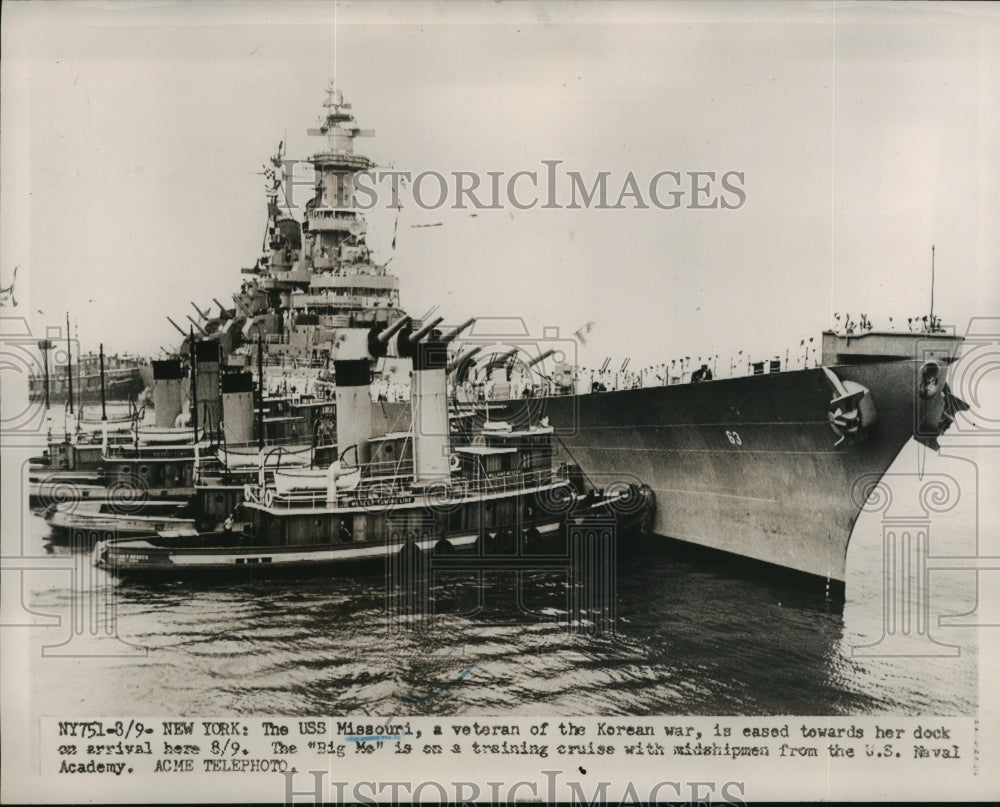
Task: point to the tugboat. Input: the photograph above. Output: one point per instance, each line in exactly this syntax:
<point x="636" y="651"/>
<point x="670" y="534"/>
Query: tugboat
<point x="426" y="489"/>
<point x="178" y="472"/>
<point x="74" y="458"/>
<point x="93" y="519"/>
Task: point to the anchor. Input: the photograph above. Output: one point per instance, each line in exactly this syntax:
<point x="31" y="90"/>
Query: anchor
<point x="851" y="411"/>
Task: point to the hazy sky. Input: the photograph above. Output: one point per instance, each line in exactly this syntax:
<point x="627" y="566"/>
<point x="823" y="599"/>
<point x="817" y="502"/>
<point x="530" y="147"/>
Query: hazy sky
<point x="132" y="134"/>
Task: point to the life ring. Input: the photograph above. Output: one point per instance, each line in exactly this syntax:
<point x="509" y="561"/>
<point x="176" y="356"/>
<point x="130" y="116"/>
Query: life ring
<point x="248" y="493"/>
<point x="269" y="498"/>
<point x="456" y="463"/>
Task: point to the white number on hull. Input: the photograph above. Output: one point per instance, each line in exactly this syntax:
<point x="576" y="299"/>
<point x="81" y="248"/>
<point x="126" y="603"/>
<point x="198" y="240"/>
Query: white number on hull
<point x="734" y="438"/>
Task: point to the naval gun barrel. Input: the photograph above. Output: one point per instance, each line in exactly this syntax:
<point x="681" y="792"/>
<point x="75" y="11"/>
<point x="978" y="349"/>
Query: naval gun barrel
<point x="463" y="358"/>
<point x="243" y="309"/>
<point x="180" y="330"/>
<point x="501" y="358"/>
<point x="416" y="337"/>
<point x="201" y="313"/>
<point x="541" y="358"/>
<point x="392" y="330"/>
<point x="451" y="337"/>
<point x="196" y="325"/>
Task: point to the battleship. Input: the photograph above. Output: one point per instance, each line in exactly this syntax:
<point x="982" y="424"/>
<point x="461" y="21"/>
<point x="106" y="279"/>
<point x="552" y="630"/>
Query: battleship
<point x="774" y="467"/>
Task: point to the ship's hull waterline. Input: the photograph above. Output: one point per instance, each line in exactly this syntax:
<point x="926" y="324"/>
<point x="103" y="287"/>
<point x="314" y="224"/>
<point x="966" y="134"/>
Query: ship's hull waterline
<point x="751" y="465"/>
<point x="219" y="553"/>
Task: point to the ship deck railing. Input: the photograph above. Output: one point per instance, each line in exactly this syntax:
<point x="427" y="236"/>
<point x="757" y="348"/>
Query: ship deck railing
<point x="296" y="362"/>
<point x="401" y="490"/>
<point x="278" y="458"/>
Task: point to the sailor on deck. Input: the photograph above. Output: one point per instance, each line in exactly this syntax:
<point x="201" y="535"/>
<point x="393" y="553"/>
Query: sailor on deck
<point x="702" y="374"/>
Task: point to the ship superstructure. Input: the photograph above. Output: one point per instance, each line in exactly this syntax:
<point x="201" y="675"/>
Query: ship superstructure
<point x="318" y="274"/>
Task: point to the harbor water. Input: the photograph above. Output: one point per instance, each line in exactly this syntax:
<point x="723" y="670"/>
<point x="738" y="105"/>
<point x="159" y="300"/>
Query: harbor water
<point x="673" y="632"/>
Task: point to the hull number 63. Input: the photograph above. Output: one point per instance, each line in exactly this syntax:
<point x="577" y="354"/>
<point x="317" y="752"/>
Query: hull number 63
<point x="734" y="438"/>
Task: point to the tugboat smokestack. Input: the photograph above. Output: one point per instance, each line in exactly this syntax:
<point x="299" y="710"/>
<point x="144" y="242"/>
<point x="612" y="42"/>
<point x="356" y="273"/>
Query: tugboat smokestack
<point x="352" y="367"/>
<point x="430" y="408"/>
<point x="168" y="380"/>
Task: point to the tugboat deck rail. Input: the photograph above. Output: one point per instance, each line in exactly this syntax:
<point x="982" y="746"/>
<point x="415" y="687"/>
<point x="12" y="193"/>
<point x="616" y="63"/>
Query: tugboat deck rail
<point x="401" y="491"/>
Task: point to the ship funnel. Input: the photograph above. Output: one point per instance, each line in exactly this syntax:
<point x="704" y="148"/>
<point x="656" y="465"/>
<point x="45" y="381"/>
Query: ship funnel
<point x="431" y="460"/>
<point x="237" y="407"/>
<point x="168" y="392"/>
<point x="416" y="337"/>
<point x="454" y="334"/>
<point x="352" y="367"/>
<point x="541" y="358"/>
<point x="208" y="360"/>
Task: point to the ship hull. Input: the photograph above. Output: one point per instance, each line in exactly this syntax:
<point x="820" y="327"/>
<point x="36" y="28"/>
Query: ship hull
<point x="87" y="521"/>
<point x="749" y="466"/>
<point x="213" y="553"/>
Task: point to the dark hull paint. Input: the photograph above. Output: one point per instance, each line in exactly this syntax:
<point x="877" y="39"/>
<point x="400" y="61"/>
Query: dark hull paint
<point x="779" y="491"/>
<point x="222" y="553"/>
